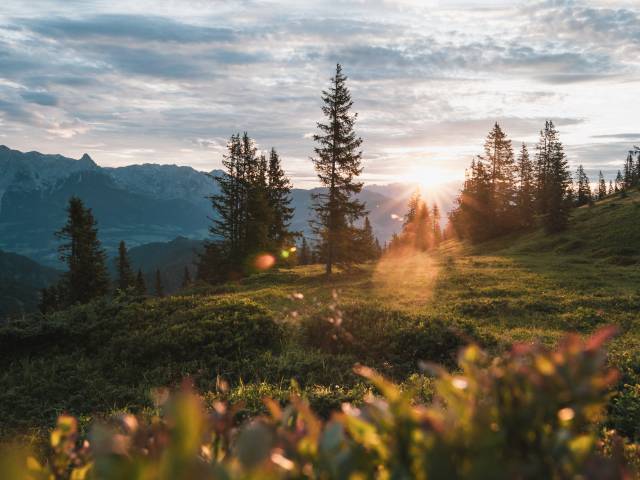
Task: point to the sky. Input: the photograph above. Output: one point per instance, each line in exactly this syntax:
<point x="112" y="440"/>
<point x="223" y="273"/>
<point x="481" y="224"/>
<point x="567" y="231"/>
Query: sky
<point x="168" y="81"/>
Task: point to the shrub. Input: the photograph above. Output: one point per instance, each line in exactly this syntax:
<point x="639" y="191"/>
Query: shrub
<point x="530" y="414"/>
<point x="388" y="339"/>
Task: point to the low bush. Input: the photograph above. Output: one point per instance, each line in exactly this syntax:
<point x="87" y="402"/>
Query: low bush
<point x="106" y="354"/>
<point x="391" y="340"/>
<point x="530" y="414"/>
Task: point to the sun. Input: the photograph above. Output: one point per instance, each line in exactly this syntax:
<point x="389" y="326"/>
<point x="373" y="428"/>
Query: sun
<point x="429" y="178"/>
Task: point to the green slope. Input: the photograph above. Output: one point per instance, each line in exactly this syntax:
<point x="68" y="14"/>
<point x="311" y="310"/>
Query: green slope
<point x="260" y="333"/>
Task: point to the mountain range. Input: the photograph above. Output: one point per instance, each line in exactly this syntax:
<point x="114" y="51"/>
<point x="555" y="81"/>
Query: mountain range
<point x="140" y="204"/>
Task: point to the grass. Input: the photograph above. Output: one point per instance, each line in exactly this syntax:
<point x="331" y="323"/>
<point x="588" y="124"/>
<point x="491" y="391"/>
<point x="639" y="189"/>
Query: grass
<point x="107" y="357"/>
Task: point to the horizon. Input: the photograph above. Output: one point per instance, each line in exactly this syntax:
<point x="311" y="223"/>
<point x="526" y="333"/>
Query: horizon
<point x="428" y="81"/>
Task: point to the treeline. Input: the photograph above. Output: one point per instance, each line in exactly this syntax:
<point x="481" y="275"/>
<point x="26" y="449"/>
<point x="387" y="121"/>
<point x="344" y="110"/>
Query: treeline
<point x="503" y="193"/>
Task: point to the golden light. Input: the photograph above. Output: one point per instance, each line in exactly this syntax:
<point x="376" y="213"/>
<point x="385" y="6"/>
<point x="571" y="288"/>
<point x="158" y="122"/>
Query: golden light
<point x="265" y="261"/>
<point x="429" y="178"/>
<point x="284" y="254"/>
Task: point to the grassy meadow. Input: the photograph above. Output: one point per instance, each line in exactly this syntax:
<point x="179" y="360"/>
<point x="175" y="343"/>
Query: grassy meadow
<point x="294" y="329"/>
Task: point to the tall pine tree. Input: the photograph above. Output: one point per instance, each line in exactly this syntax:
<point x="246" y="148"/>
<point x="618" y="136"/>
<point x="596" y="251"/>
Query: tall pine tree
<point x="584" y="189"/>
<point x="123" y="267"/>
<point x="337" y="162"/>
<point x="279" y="202"/>
<point x="553" y="180"/>
<point x="141" y="286"/>
<point x="526" y="188"/>
<point x="498" y="157"/>
<point x="87" y="277"/>
<point x="470" y="217"/>
<point x="252" y="211"/>
<point x="602" y="186"/>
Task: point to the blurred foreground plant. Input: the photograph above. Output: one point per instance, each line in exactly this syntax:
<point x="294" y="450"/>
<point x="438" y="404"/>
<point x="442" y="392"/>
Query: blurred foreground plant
<point x="530" y="414"/>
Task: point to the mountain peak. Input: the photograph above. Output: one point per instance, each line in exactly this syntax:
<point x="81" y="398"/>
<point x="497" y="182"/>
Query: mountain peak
<point x="87" y="160"/>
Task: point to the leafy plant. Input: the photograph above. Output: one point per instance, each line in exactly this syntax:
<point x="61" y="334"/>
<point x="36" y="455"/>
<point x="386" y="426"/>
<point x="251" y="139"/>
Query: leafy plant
<point x="531" y="413"/>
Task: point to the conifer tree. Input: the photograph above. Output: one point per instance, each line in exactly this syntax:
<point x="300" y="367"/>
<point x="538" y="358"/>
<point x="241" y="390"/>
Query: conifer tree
<point x="435" y="222"/>
<point x="337" y="163"/>
<point x="252" y="210"/>
<point x="584" y="189"/>
<point x="259" y="214"/>
<point x="498" y="157"/>
<point x="186" y="277"/>
<point x="125" y="274"/>
<point x="619" y="184"/>
<point x="87" y="277"/>
<point x="279" y="202"/>
<point x="602" y="186"/>
<point x="611" y="191"/>
<point x="629" y="172"/>
<point x="413" y="206"/>
<point x="553" y="180"/>
<point x="366" y="243"/>
<point x="470" y="217"/>
<point x="526" y="188"/>
<point x="304" y="258"/>
<point x="159" y="287"/>
<point x="141" y="286"/>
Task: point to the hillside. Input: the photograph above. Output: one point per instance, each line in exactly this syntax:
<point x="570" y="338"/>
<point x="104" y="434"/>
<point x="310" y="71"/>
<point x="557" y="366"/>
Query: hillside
<point x="260" y="333"/>
<point x="20" y="282"/>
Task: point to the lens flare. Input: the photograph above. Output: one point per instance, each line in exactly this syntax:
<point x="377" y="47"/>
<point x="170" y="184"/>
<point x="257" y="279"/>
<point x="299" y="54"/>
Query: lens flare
<point x="265" y="261"/>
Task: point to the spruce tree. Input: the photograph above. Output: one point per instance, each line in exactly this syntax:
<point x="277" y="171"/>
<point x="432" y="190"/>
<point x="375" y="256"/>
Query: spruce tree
<point x="584" y="189"/>
<point x="629" y="172"/>
<point x="435" y="222"/>
<point x="259" y="215"/>
<point x="159" y="287"/>
<point x="87" y="277"/>
<point x="186" y="278"/>
<point x="553" y="180"/>
<point x="123" y="265"/>
<point x="229" y="205"/>
<point x="526" y="188"/>
<point x="252" y="210"/>
<point x="610" y="191"/>
<point x="279" y="202"/>
<point x="413" y="206"/>
<point x="470" y="217"/>
<point x="366" y="244"/>
<point x="337" y="163"/>
<point x="498" y="157"/>
<point x="619" y="184"/>
<point x="141" y="286"/>
<point x="304" y="258"/>
<point x="602" y="186"/>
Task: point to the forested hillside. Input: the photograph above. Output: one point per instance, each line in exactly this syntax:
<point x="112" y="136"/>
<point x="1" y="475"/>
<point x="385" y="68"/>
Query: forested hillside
<point x="259" y="333"/>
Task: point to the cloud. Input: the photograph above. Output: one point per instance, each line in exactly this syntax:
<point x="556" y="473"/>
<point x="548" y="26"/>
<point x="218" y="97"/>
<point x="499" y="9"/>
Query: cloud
<point x="126" y="26"/>
<point x="621" y="136"/>
<point x="40" y="98"/>
<point x="427" y="81"/>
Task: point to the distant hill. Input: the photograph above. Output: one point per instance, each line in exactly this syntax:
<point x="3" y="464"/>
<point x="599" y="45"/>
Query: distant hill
<point x="140" y="204"/>
<point x="20" y="282"/>
<point x="170" y="257"/>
